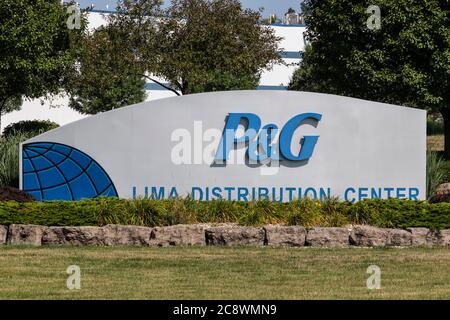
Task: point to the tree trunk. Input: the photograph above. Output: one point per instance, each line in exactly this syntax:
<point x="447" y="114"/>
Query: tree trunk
<point x="446" y="116"/>
<point x="184" y="87"/>
<point x="162" y="85"/>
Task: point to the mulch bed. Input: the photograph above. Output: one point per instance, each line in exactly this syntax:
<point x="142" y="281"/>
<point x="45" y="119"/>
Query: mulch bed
<point x="14" y="194"/>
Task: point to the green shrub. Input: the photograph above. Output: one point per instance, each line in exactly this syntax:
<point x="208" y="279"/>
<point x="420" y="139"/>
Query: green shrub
<point x="436" y="172"/>
<point x="446" y="170"/>
<point x="304" y="212"/>
<point x="9" y="159"/>
<point x="29" y="127"/>
<point x="335" y="213"/>
<point x="390" y="213"/>
<point x="81" y="213"/>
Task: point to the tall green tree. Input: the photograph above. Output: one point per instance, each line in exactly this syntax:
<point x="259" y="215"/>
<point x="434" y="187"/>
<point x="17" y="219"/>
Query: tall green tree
<point x="35" y="50"/>
<point x="406" y="61"/>
<point x="203" y="41"/>
<point x="198" y="45"/>
<point x="107" y="75"/>
<point x="9" y="104"/>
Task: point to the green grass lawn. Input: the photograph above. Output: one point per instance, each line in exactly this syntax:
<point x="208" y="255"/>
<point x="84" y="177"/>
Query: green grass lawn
<point x="223" y="273"/>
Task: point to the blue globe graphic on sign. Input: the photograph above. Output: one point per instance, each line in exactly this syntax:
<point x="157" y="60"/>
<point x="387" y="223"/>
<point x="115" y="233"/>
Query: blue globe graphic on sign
<point x="54" y="171"/>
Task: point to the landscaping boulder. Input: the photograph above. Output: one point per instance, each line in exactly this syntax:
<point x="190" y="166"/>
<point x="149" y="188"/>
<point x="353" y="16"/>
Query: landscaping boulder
<point x="445" y="237"/>
<point x="418" y="236"/>
<point x="434" y="237"/>
<point x="443" y="188"/>
<point x="234" y="235"/>
<point x="367" y="236"/>
<point x="327" y="237"/>
<point x="285" y="235"/>
<point x="3" y="234"/>
<point x="74" y="236"/>
<point x="118" y="235"/>
<point x="424" y="236"/>
<point x="438" y="198"/>
<point x="179" y="235"/>
<point x="399" y="238"/>
<point x="439" y="237"/>
<point x="26" y="234"/>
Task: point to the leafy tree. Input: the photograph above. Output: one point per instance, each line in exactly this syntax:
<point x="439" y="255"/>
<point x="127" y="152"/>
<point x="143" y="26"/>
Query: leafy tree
<point x="9" y="104"/>
<point x="29" y="127"/>
<point x="112" y="60"/>
<point x="35" y="50"/>
<point x="199" y="45"/>
<point x="406" y="61"/>
<point x="290" y="11"/>
<point x="203" y="39"/>
<point x="223" y="81"/>
<point x="107" y="77"/>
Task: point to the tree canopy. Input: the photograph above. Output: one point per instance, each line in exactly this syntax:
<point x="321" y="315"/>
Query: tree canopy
<point x="107" y="76"/>
<point x="35" y="50"/>
<point x="405" y="62"/>
<point x="198" y="45"/>
<point x="195" y="45"/>
<point x="9" y="104"/>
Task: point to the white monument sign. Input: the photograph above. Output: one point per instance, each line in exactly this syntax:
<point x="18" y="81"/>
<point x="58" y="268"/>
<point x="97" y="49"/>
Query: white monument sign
<point x="237" y="145"/>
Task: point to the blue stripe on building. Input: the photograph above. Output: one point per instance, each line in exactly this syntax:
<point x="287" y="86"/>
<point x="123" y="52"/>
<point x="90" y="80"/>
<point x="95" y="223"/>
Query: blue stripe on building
<point x="287" y="25"/>
<point x="155" y="86"/>
<point x="103" y="11"/>
<point x="291" y="54"/>
<point x="272" y="88"/>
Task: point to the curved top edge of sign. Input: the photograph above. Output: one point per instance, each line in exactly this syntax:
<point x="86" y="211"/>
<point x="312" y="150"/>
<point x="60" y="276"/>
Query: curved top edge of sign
<point x="267" y="94"/>
<point x="274" y="93"/>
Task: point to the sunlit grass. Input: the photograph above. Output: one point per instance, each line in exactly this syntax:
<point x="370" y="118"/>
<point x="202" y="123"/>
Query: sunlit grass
<point x="223" y="273"/>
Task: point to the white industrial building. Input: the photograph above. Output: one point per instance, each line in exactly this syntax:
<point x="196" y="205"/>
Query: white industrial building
<point x="277" y="78"/>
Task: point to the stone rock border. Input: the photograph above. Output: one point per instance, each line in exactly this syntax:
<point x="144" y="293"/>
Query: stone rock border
<point x="222" y="235"/>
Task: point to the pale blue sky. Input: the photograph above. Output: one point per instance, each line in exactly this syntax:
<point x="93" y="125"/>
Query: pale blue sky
<point x="279" y="7"/>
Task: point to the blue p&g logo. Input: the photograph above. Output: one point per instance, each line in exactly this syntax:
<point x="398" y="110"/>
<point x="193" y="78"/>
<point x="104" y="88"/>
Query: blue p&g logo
<point x="261" y="141"/>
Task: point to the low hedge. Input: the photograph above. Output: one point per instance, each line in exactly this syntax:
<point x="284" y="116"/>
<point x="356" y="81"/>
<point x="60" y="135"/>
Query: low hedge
<point x="390" y="213"/>
<point x="32" y="127"/>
